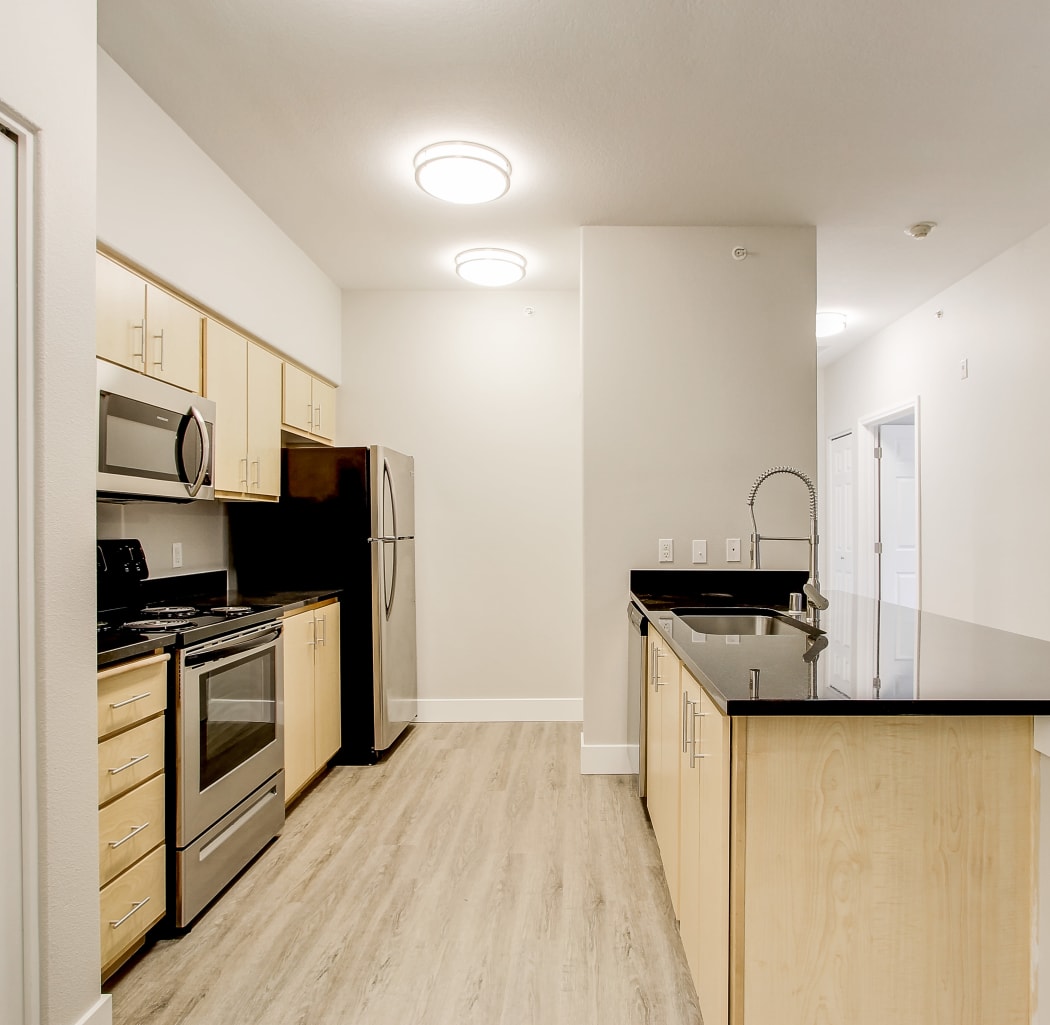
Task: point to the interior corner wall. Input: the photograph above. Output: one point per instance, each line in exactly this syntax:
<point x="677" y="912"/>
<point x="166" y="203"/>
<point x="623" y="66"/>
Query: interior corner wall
<point x="486" y="397"/>
<point x="47" y="80"/>
<point x="984" y="492"/>
<point x="699" y="373"/>
<point x="166" y="206"/>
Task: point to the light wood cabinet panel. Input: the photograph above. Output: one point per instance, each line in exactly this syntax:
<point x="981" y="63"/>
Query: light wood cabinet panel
<point x="130" y="693"/>
<point x="120" y="314"/>
<point x="312" y="729"/>
<point x="327" y="719"/>
<point x="298" y="405"/>
<point x="130" y="758"/>
<point x="173" y="344"/>
<point x="244" y="380"/>
<point x="299" y="714"/>
<point x="130" y="827"/>
<point x="129" y="907"/>
<point x="145" y="328"/>
<point x="264" y="422"/>
<point x="324" y="409"/>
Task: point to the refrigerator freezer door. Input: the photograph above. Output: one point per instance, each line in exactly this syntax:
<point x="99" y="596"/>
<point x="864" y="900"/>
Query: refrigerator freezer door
<point x="392" y="478"/>
<point x="393" y="638"/>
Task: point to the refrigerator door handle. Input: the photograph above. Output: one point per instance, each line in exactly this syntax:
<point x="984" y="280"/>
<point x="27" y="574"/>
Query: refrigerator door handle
<point x="389" y="595"/>
<point x="388" y="482"/>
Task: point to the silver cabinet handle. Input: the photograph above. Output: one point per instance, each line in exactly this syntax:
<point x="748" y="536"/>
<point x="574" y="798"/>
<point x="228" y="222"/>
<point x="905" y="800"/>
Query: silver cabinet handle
<point x="128" y="765"/>
<point x="124" y="839"/>
<point x="657" y="682"/>
<point x="134" y="907"/>
<point x="685" y="722"/>
<point x="310" y="414"/>
<point x="255" y="483"/>
<point x="244" y="478"/>
<point x="141" y="354"/>
<point x="313" y="624"/>
<point x="317" y="424"/>
<point x="694" y="754"/>
<point x="128" y="701"/>
<point x="324" y="625"/>
<point x="160" y="338"/>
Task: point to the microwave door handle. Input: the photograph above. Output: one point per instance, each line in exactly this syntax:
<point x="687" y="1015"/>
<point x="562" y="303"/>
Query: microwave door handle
<point x="202" y="426"/>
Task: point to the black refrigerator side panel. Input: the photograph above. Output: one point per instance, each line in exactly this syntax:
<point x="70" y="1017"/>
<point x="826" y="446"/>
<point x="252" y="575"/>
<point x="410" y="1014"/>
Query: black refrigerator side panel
<point x="316" y="538"/>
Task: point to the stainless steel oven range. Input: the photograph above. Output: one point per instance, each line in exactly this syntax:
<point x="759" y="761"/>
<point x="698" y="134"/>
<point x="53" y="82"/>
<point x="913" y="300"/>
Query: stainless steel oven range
<point x="229" y="736"/>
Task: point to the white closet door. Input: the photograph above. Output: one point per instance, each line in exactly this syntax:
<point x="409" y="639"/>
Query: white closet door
<point x="12" y="1007"/>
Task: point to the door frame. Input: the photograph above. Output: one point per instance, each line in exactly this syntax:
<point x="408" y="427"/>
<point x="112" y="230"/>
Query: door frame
<point x="27" y="823"/>
<point x="867" y="484"/>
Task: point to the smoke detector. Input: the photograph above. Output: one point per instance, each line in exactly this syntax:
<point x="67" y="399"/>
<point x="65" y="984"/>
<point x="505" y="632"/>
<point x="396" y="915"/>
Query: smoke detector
<point x="920" y="230"/>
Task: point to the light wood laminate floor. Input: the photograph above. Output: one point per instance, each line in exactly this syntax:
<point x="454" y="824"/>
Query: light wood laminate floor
<point x="473" y="878"/>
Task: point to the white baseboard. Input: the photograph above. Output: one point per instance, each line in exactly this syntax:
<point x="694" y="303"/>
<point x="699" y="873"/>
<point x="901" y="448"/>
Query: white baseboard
<point x="500" y="710"/>
<point x="100" y="1014"/>
<point x="608" y="759"/>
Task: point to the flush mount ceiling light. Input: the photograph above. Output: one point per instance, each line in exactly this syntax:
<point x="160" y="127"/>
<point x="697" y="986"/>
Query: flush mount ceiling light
<point x="462" y="172"/>
<point x="829" y="324"/>
<point x="492" y="267"/>
<point x="921" y="230"/>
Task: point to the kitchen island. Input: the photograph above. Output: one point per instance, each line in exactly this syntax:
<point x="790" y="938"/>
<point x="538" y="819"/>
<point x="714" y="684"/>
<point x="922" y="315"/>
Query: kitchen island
<point x="851" y="838"/>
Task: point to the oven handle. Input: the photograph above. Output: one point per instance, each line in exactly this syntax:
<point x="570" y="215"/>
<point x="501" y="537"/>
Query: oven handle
<point x="257" y="639"/>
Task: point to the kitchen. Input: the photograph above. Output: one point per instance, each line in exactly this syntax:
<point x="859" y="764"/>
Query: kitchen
<point x="64" y="577"/>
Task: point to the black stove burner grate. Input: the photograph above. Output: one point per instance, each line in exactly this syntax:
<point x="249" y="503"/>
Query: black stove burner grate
<point x="148" y="625"/>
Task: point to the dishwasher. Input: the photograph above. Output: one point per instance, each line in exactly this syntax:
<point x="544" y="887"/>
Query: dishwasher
<point x="636" y="685"/>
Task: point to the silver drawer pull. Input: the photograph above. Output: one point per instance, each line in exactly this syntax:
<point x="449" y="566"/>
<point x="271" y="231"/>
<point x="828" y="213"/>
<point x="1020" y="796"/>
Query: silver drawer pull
<point x="134" y="907"/>
<point x="128" y="765"/>
<point x="123" y="840"/>
<point x="128" y="701"/>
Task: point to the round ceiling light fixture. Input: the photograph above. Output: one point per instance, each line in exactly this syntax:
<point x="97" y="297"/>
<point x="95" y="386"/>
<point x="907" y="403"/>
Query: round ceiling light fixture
<point x="829" y="324"/>
<point x="492" y="267"/>
<point x="462" y="172"/>
<point x="920" y="230"/>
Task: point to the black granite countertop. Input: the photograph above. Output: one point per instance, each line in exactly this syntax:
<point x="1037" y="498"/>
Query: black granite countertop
<point x="881" y="659"/>
<point x="292" y="600"/>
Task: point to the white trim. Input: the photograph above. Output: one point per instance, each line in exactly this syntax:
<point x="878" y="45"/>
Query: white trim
<point x="500" y="710"/>
<point x="608" y="759"/>
<point x="100" y="1014"/>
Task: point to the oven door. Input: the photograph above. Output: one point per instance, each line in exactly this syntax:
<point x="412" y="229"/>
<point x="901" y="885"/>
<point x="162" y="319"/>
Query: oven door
<point x="230" y="724"/>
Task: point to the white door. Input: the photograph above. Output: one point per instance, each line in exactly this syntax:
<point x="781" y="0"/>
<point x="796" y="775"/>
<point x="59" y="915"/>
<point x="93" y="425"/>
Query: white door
<point x="12" y="1007"/>
<point x="899" y="564"/>
<point x="840" y="660"/>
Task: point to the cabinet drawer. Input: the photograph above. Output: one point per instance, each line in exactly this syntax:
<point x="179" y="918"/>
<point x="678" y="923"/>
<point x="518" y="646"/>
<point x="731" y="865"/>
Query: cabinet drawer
<point x="130" y="827"/>
<point x="130" y="693"/>
<point x="127" y="759"/>
<point x="131" y="905"/>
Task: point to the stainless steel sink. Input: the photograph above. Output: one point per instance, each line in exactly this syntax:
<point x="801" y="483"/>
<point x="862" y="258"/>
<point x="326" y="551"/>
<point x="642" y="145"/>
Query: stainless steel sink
<point x="750" y="622"/>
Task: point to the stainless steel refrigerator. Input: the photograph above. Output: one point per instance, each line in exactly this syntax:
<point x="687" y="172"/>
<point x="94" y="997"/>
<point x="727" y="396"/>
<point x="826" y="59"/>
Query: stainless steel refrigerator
<point x="346" y="521"/>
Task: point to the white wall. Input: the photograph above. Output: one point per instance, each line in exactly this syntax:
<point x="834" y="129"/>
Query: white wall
<point x="199" y="526"/>
<point x="165" y="205"/>
<point x="47" y="78"/>
<point x="487" y="399"/>
<point x="984" y="487"/>
<point x="699" y="373"/>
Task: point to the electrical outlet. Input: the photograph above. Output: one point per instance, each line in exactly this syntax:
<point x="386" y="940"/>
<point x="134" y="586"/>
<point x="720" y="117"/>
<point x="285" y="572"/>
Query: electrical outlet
<point x="176" y="554"/>
<point x="699" y="551"/>
<point x="666" y="552"/>
<point x="732" y="549"/>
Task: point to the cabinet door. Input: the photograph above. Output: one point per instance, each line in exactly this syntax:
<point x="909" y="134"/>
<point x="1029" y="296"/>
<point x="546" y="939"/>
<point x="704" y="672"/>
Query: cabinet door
<point x="327" y="733"/>
<point x="712" y="974"/>
<point x="689" y="867"/>
<point x="324" y="409"/>
<point x="662" y="746"/>
<point x="298" y="407"/>
<point x="225" y="381"/>
<point x="173" y="345"/>
<point x="299" y="713"/>
<point x="120" y="314"/>
<point x="264" y="422"/>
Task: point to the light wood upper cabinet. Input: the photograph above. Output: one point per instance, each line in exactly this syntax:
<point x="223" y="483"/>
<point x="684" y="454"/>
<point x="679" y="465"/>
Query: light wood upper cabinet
<point x="309" y="405"/>
<point x="312" y="702"/>
<point x="244" y="380"/>
<point x="145" y="328"/>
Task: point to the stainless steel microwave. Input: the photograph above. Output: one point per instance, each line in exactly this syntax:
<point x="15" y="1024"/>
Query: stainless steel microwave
<point x="155" y="441"/>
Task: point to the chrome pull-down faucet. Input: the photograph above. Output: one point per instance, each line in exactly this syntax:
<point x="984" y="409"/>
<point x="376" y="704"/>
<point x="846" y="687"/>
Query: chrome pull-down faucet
<point x="815" y="600"/>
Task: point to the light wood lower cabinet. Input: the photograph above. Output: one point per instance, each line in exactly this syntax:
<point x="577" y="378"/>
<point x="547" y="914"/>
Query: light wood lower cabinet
<point x="862" y="869"/>
<point x="312" y="699"/>
<point x="132" y="698"/>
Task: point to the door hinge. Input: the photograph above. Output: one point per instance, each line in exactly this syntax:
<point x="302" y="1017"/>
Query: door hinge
<point x="878" y="548"/>
<point x="878" y="452"/>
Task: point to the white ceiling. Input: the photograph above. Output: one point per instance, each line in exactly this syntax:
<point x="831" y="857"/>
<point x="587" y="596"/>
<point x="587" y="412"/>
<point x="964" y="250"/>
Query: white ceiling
<point x="857" y="116"/>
